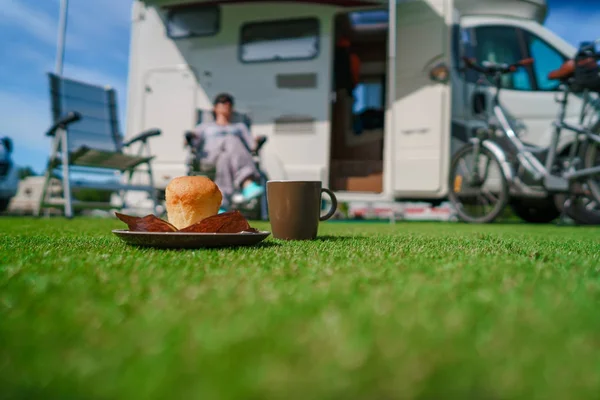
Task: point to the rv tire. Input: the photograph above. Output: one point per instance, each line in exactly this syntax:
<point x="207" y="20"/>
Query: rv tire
<point x="535" y="211"/>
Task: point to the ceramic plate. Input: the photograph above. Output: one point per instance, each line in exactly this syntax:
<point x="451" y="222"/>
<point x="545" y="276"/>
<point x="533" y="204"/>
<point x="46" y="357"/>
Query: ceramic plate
<point x="173" y="240"/>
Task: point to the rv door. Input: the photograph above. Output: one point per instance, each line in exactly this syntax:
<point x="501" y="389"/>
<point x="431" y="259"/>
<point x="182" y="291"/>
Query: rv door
<point x="421" y="112"/>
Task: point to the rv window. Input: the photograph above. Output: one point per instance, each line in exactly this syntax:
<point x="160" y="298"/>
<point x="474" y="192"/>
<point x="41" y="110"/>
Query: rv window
<point x="280" y="40"/>
<point x="501" y="44"/>
<point x="193" y="21"/>
<point x="546" y="59"/>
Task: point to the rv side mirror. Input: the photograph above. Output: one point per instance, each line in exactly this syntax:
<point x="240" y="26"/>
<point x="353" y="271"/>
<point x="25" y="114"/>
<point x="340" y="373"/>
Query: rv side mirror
<point x="8" y="144"/>
<point x="478" y="103"/>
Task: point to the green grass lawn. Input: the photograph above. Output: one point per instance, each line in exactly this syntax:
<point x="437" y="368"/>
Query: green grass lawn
<point x="368" y="311"/>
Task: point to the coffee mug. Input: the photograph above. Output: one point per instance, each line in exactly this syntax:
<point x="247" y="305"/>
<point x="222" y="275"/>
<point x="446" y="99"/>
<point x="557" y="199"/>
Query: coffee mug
<point x="295" y="208"/>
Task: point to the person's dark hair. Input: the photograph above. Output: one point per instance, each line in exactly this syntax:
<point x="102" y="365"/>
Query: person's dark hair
<point x="224" y="98"/>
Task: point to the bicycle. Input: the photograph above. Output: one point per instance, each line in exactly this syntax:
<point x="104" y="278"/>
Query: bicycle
<point x="504" y="168"/>
<point x="582" y="75"/>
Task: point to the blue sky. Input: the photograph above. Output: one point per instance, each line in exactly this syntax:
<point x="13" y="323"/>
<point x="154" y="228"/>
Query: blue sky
<point x="97" y="51"/>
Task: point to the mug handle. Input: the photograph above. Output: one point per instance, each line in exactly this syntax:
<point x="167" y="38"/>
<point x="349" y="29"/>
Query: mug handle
<point x="333" y="205"/>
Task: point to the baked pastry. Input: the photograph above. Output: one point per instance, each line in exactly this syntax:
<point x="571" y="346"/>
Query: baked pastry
<point x="190" y="199"/>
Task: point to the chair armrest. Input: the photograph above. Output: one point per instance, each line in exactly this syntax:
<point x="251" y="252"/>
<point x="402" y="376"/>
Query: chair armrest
<point x="260" y="141"/>
<point x="189" y="138"/>
<point x="143" y="136"/>
<point x="63" y="122"/>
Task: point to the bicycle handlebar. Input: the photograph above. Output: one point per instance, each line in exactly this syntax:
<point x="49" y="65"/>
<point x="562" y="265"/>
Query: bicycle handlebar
<point x="583" y="46"/>
<point x="588" y="52"/>
<point x="492" y="68"/>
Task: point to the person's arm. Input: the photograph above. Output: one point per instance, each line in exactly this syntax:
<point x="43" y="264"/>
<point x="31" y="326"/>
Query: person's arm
<point x="246" y="136"/>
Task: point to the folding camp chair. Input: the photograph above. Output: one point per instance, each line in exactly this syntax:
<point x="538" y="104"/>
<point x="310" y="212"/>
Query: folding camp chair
<point x="256" y="208"/>
<point x="86" y="138"/>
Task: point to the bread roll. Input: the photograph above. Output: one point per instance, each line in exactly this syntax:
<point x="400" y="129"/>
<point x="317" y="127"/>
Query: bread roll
<point x="190" y="199"/>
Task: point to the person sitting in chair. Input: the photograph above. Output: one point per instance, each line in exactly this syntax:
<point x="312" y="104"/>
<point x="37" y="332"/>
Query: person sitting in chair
<point x="227" y="146"/>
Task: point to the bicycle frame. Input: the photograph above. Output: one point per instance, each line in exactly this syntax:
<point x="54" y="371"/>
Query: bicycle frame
<point x="527" y="171"/>
<point x="525" y="154"/>
<point x="579" y="131"/>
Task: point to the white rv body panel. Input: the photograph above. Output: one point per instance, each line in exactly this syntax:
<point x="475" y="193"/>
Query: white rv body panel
<point x="535" y="10"/>
<point x="170" y="79"/>
<point x="163" y="70"/>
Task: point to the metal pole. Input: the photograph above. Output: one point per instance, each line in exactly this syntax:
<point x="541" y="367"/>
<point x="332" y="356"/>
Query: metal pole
<point x="62" y="30"/>
<point x="392" y="52"/>
<point x="60" y="56"/>
<point x="391" y="84"/>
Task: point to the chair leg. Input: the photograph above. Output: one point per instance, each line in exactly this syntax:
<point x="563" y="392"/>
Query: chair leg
<point x="153" y="196"/>
<point x="48" y="175"/>
<point x="66" y="178"/>
<point x="264" y="208"/>
<point x="124" y="192"/>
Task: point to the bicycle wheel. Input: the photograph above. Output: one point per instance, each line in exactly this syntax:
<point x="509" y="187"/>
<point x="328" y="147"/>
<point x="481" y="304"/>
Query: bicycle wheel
<point x="477" y="196"/>
<point x="583" y="210"/>
<point x="591" y="159"/>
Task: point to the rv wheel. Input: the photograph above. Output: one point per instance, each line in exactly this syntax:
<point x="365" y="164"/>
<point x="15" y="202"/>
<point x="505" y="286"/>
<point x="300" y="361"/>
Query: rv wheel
<point x="535" y="211"/>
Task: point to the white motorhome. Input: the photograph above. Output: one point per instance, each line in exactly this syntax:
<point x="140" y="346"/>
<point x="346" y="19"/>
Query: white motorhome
<point x="389" y="138"/>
